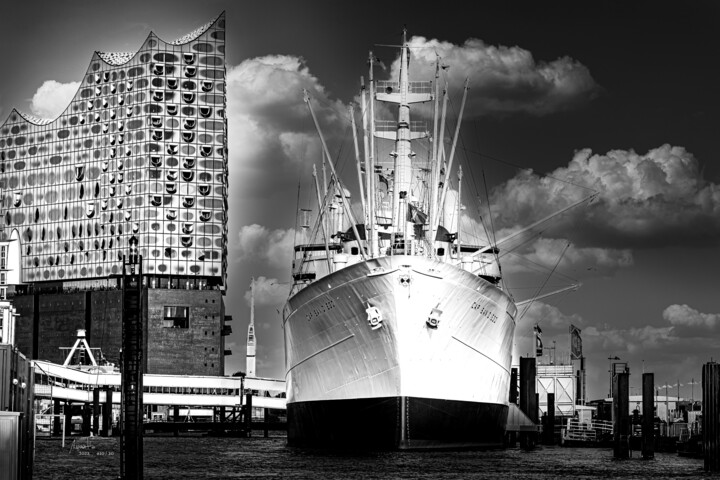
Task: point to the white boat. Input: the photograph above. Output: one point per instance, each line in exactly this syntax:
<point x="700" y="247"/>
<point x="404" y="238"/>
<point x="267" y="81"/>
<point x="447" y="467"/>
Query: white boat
<point x="397" y="334"/>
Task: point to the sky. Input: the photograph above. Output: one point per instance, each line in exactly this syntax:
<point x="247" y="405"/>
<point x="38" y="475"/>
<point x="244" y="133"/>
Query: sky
<point x="565" y="98"/>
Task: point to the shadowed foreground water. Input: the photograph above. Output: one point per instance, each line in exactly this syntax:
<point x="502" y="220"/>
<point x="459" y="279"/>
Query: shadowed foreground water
<point x="230" y="458"/>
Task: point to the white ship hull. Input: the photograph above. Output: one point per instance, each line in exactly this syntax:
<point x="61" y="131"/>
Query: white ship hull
<point x="405" y="384"/>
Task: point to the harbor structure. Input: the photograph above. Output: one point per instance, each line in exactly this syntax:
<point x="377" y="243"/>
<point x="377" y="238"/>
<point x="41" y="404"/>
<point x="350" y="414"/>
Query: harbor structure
<point x="139" y="155"/>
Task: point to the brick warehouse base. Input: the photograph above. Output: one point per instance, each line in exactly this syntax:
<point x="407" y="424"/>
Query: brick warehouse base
<point x="48" y="322"/>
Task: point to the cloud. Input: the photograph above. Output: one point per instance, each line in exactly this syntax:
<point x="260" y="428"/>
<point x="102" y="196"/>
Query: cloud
<point x="545" y="252"/>
<point x="269" y="292"/>
<point x="272" y="138"/>
<point x="274" y="247"/>
<point x="651" y="200"/>
<point x="52" y="98"/>
<point x="504" y="79"/>
<point x="688" y="322"/>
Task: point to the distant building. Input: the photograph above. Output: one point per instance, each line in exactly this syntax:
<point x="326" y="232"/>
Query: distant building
<point x="140" y="151"/>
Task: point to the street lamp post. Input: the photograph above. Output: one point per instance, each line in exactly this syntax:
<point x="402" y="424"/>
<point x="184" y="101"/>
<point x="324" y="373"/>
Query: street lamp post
<point x="610" y="359"/>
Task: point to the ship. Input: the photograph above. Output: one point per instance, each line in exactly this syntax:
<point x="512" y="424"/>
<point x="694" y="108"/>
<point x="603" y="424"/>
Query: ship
<point x="398" y="332"/>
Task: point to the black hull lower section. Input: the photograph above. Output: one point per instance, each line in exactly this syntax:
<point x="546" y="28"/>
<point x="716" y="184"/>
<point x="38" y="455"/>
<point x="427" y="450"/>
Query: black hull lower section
<point x="393" y="423"/>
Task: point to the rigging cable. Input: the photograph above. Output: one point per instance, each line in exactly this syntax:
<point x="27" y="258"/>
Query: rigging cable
<point x="562" y="254"/>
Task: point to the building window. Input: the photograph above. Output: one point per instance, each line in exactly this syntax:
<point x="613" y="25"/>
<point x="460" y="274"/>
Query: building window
<point x="3" y="293"/>
<point x="176" y="317"/>
<point x="3" y="278"/>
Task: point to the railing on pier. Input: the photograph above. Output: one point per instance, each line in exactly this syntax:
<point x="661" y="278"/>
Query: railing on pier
<point x="677" y="428"/>
<point x="587" y="432"/>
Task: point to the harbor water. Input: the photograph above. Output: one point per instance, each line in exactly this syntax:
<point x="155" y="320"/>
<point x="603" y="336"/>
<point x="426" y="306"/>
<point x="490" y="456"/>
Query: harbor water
<point x="230" y="458"/>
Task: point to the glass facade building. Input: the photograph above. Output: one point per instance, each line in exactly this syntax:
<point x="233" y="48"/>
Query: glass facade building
<point x="141" y="150"/>
<point x="139" y="156"/>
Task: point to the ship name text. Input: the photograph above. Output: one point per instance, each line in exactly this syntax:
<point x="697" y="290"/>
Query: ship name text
<point x="320" y="309"/>
<point x="484" y="311"/>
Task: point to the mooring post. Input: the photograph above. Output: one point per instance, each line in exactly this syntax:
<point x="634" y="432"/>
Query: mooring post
<point x="96" y="411"/>
<point x="248" y="414"/>
<point x="56" y="420"/>
<point x="67" y="411"/>
<point x="528" y="398"/>
<point x="711" y="416"/>
<point x="107" y="413"/>
<point x="265" y="421"/>
<point x="648" y="409"/>
<point x="621" y="414"/>
<point x="86" y="418"/>
<point x="132" y="366"/>
<point x="550" y="422"/>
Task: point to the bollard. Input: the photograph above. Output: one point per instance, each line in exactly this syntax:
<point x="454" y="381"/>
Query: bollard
<point x="621" y="416"/>
<point x="711" y="416"/>
<point x="648" y="408"/>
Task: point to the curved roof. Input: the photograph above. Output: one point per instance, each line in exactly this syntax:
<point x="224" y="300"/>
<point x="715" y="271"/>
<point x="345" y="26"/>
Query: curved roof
<point x="116" y="58"/>
<point x="33" y="118"/>
<point x="120" y="58"/>
<point x="196" y="33"/>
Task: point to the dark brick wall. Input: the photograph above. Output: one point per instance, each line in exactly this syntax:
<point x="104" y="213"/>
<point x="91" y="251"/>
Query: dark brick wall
<point x="106" y="330"/>
<point x="197" y="350"/>
<point x="24" y="324"/>
<point x="61" y="316"/>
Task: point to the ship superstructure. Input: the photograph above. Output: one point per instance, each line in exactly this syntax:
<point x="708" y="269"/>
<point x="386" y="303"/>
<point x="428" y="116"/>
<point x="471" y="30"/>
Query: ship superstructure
<point x="397" y="333"/>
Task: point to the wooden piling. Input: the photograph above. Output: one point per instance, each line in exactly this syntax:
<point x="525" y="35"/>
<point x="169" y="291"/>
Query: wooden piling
<point x="621" y="415"/>
<point x="711" y="416"/>
<point x="648" y="409"/>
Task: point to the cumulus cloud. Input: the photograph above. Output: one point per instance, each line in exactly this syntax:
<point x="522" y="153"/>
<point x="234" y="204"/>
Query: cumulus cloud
<point x="273" y="246"/>
<point x="545" y="252"/>
<point x="269" y="292"/>
<point x="688" y="322"/>
<point x="267" y="112"/>
<point x="52" y="98"/>
<point x="656" y="199"/>
<point x="504" y="79"/>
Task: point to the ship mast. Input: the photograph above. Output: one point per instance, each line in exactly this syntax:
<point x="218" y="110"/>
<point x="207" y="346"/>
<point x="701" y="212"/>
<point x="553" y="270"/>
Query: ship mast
<point x="408" y="94"/>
